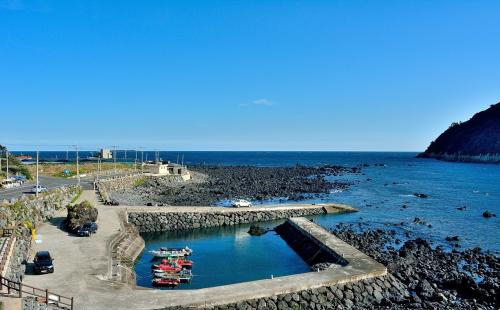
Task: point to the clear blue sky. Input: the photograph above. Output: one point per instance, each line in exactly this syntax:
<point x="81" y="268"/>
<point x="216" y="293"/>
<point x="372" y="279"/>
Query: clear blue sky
<point x="244" y="75"/>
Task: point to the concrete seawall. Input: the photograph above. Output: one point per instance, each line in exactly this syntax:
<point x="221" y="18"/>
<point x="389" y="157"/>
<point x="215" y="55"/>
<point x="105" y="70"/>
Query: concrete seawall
<point x="360" y="280"/>
<point x="149" y="219"/>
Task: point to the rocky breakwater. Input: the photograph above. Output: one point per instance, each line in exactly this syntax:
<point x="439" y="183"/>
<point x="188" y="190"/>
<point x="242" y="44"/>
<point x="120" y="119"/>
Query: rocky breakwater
<point x="210" y="185"/>
<point x="182" y="218"/>
<point x="108" y="185"/>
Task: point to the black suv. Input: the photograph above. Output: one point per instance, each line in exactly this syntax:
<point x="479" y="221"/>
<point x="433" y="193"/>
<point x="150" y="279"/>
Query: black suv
<point x="43" y="263"/>
<point x="87" y="229"/>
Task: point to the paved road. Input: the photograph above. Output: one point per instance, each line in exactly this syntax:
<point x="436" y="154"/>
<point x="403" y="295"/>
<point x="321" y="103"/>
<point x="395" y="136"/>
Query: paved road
<point x="52" y="182"/>
<point x="48" y="182"/>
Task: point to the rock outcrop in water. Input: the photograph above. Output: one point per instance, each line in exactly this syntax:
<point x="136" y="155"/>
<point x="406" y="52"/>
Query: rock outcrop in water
<point x="436" y="278"/>
<point x="476" y="140"/>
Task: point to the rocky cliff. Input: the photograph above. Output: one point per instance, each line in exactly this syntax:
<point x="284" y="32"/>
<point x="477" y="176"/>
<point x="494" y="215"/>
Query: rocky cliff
<point x="476" y="140"/>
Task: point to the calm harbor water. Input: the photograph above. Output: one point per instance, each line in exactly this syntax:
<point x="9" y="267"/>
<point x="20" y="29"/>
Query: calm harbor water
<point x="226" y="255"/>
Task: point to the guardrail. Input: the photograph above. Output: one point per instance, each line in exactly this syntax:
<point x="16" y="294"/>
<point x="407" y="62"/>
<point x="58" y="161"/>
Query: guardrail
<point x="42" y="295"/>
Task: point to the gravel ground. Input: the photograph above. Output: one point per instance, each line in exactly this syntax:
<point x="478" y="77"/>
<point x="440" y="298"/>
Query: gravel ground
<point x="213" y="184"/>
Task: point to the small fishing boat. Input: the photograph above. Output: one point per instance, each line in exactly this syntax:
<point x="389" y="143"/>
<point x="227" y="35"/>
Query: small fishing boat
<point x="185" y="276"/>
<point x="184" y="263"/>
<point x="171" y="252"/>
<point x="167" y="266"/>
<point x="182" y="273"/>
<point x="165" y="282"/>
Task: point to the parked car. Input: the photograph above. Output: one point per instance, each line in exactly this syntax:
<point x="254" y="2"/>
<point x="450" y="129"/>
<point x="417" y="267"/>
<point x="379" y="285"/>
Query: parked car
<point x="10" y="183"/>
<point x="87" y="229"/>
<point x="40" y="189"/>
<point x="43" y="262"/>
<point x="21" y="179"/>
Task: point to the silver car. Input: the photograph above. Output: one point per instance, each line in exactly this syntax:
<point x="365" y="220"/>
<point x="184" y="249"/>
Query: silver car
<point x="40" y="189"/>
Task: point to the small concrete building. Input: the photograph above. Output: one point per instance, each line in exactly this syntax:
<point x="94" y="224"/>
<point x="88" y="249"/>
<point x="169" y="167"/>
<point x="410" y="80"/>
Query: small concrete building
<point x="167" y="169"/>
<point x="106" y="154"/>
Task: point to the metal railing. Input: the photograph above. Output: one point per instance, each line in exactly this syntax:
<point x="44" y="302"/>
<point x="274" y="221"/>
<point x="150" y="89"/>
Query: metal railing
<point x="42" y="295"/>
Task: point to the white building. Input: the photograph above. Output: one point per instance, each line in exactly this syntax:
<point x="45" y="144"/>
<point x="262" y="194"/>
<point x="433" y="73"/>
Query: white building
<point x="106" y="154"/>
<point x="168" y="169"/>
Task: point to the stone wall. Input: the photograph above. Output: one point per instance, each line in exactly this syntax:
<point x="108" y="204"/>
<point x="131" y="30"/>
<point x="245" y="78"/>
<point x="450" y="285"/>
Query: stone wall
<point x="170" y="220"/>
<point x="30" y="303"/>
<point x="365" y="293"/>
<point x="31" y="211"/>
<point x="105" y="186"/>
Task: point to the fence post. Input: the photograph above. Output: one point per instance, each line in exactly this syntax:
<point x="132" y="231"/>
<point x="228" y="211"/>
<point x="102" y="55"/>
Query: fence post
<point x="1" y="283"/>
<point x="8" y="287"/>
<point x="71" y="303"/>
<point x="20" y="289"/>
<point x="47" y="296"/>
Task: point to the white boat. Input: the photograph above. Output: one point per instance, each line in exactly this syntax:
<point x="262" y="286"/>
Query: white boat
<point x="183" y="274"/>
<point x="241" y="203"/>
<point x="171" y="252"/>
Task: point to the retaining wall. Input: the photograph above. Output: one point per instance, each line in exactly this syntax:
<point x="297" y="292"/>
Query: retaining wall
<point x="364" y="293"/>
<point x="106" y="185"/>
<point x="182" y="218"/>
<point x="34" y="211"/>
<point x="125" y="248"/>
<point x="358" y="282"/>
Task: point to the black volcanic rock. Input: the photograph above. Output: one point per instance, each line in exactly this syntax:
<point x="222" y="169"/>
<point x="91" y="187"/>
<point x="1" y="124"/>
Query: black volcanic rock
<point x="477" y="139"/>
<point x="488" y="214"/>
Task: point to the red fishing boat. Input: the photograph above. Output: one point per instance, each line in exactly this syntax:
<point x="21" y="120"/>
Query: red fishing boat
<point x="165" y="282"/>
<point x="184" y="263"/>
<point x="167" y="266"/>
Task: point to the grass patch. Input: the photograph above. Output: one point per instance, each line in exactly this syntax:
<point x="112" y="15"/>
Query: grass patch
<point x="76" y="196"/>
<point x="140" y="182"/>
<point x="57" y="170"/>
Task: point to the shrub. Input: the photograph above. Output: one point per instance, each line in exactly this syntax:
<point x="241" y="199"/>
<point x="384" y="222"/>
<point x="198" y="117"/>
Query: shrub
<point x="79" y="214"/>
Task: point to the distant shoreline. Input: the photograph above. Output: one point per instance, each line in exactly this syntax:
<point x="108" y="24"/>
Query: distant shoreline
<point x="478" y="159"/>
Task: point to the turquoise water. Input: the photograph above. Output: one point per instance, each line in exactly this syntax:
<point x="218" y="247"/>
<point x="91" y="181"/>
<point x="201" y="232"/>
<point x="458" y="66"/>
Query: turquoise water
<point x="229" y="255"/>
<point x="224" y="255"/>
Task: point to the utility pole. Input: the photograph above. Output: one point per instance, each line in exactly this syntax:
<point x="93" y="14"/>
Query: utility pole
<point x="7" y="155"/>
<point x="77" y="166"/>
<point x="114" y="156"/>
<point x="37" y="182"/>
<point x="135" y="162"/>
<point x="142" y="160"/>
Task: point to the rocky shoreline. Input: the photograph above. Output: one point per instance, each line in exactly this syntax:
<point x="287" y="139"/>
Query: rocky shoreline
<point x="437" y="279"/>
<point x="212" y="184"/>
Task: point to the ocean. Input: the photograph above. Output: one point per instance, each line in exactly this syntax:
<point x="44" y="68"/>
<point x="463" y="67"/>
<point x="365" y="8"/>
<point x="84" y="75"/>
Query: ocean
<point x="381" y="191"/>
